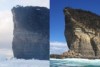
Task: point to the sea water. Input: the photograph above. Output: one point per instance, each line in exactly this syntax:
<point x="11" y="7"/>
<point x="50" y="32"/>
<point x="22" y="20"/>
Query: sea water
<point x="74" y="62"/>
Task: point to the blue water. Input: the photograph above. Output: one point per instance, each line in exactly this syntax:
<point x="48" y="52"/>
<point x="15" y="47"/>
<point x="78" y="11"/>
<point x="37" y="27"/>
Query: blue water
<point x="74" y="62"/>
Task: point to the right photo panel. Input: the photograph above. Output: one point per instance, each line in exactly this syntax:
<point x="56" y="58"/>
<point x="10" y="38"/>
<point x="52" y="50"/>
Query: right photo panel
<point x="74" y="33"/>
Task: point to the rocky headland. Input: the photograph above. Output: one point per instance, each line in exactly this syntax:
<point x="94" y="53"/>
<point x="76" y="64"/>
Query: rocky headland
<point x="82" y="33"/>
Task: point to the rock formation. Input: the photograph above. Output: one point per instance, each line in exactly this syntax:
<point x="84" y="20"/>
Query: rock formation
<point x="82" y="33"/>
<point x="31" y="32"/>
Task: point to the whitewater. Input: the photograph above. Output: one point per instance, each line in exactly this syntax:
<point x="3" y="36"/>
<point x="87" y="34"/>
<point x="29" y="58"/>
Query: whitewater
<point x="74" y="62"/>
<point x="13" y="62"/>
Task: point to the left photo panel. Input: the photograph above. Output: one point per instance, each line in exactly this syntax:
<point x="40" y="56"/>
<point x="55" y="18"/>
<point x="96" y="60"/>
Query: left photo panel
<point x="24" y="33"/>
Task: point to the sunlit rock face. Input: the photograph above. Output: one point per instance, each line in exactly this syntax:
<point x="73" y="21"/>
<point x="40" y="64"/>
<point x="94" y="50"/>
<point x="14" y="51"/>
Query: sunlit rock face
<point x="82" y="32"/>
<point x="31" y="32"/>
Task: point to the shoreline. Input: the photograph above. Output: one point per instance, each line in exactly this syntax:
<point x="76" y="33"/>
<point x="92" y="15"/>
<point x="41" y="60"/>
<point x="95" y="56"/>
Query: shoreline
<point x="56" y="56"/>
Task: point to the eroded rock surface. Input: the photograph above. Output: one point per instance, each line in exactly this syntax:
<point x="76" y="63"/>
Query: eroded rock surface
<point x="31" y="32"/>
<point x="82" y="32"/>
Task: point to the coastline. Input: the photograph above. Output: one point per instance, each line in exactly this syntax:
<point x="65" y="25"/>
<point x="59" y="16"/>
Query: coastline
<point x="79" y="57"/>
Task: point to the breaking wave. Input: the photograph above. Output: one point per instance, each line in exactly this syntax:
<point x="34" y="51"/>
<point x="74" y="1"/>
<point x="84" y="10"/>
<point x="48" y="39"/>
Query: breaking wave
<point x="74" y="62"/>
<point x="13" y="62"/>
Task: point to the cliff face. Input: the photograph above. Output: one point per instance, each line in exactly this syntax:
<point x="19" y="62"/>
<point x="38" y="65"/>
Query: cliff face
<point x="31" y="32"/>
<point x="82" y="33"/>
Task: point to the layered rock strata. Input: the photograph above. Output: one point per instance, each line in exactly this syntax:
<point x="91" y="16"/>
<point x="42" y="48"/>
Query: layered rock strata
<point x="82" y="33"/>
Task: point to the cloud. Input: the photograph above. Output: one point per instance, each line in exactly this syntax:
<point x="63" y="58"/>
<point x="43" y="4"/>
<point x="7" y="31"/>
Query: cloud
<point x="11" y="3"/>
<point x="6" y="29"/>
<point x="6" y="52"/>
<point x="44" y="3"/>
<point x="2" y="1"/>
<point x="6" y="33"/>
<point x="58" y="47"/>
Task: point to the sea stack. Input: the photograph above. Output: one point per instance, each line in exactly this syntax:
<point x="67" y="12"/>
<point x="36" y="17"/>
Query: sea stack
<point x="31" y="32"/>
<point x="82" y="33"/>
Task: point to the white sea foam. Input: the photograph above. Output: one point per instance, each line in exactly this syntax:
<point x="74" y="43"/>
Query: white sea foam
<point x="13" y="62"/>
<point x="75" y="62"/>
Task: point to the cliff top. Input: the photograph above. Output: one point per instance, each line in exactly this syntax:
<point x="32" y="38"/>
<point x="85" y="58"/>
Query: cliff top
<point x="29" y="9"/>
<point x="87" y="18"/>
<point x="31" y="17"/>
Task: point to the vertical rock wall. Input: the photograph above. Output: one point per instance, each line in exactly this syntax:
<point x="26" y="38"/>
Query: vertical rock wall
<point x="82" y="32"/>
<point x="31" y="32"/>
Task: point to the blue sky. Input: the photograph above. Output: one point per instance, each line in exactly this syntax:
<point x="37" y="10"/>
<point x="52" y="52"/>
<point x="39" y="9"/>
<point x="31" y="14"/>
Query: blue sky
<point x="57" y="16"/>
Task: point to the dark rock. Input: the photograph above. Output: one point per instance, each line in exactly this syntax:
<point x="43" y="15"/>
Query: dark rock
<point x="31" y="32"/>
<point x="56" y="56"/>
<point x="82" y="33"/>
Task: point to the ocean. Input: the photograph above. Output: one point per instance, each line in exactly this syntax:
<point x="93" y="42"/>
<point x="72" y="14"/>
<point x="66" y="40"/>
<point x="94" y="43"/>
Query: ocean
<point x="74" y="62"/>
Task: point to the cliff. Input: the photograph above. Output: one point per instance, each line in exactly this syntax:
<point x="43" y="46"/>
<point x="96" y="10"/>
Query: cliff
<point x="82" y="33"/>
<point x="31" y="32"/>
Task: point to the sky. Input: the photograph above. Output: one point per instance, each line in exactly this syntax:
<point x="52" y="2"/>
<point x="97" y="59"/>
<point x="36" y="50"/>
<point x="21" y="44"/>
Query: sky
<point x="6" y="22"/>
<point x="57" y="21"/>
